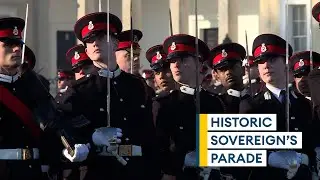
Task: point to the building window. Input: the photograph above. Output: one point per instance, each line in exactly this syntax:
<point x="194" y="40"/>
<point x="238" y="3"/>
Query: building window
<point x="298" y="31"/>
<point x="298" y="24"/>
<point x="210" y="36"/>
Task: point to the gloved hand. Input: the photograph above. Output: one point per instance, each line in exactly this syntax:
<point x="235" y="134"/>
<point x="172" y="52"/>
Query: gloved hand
<point x="190" y="159"/>
<point x="289" y="160"/>
<point x="81" y="152"/>
<point x="106" y="136"/>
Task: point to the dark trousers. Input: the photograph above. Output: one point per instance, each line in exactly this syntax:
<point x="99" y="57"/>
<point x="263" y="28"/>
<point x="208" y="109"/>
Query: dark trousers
<point x="19" y="170"/>
<point x="268" y="173"/>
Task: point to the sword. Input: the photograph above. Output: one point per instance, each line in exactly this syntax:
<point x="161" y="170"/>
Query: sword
<point x="248" y="65"/>
<point x="310" y="34"/>
<point x="118" y="157"/>
<point x="170" y="20"/>
<point x="197" y="59"/>
<point x="25" y="34"/>
<point x="287" y="72"/>
<point x="131" y="46"/>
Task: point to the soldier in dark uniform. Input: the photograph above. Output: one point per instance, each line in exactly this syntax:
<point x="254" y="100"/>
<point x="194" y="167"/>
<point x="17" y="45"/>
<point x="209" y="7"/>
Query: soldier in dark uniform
<point x="130" y="106"/>
<point x="176" y="122"/>
<point x="269" y="51"/>
<point x="255" y="85"/>
<point x="80" y="63"/>
<point x="162" y="75"/>
<point x="26" y="108"/>
<point x="123" y="52"/>
<point x="226" y="62"/>
<point x="300" y="66"/>
<point x="227" y="68"/>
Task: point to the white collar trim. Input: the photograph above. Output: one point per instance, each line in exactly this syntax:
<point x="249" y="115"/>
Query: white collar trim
<point x="236" y="93"/>
<point x="109" y="74"/>
<point x="274" y="90"/>
<point x="9" y="79"/>
<point x="187" y="90"/>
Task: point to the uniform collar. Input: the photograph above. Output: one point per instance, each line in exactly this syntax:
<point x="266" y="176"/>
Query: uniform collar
<point x="275" y="91"/>
<point x="109" y="74"/>
<point x="236" y="93"/>
<point x="187" y="90"/>
<point x="9" y="79"/>
<point x="308" y="98"/>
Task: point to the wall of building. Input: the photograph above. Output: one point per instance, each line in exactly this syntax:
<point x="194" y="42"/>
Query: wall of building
<point x="244" y="17"/>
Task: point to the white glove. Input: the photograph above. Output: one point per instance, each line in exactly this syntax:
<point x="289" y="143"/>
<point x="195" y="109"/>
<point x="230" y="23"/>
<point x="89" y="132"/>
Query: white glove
<point x="289" y="160"/>
<point x="107" y="136"/>
<point x="81" y="152"/>
<point x="190" y="160"/>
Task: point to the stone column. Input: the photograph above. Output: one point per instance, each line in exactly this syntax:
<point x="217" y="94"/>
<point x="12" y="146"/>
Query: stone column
<point x="136" y="14"/>
<point x="223" y="19"/>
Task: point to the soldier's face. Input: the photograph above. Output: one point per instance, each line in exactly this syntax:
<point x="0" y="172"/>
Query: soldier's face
<point x="230" y="76"/>
<point x="302" y="85"/>
<point x="10" y="54"/>
<point x="164" y="79"/>
<point x="98" y="47"/>
<point x="124" y="60"/>
<point x="272" y="70"/>
<point x="183" y="69"/>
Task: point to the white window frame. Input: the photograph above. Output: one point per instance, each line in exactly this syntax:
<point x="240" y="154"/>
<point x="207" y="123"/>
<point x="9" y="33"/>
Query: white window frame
<point x="283" y="31"/>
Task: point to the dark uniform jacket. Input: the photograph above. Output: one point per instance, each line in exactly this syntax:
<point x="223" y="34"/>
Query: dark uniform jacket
<point x="176" y="126"/>
<point x="15" y="134"/>
<point x="131" y="110"/>
<point x="300" y="121"/>
<point x="232" y="100"/>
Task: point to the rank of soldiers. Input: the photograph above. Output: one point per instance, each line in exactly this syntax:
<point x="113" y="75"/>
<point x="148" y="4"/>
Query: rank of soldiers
<point x="108" y="122"/>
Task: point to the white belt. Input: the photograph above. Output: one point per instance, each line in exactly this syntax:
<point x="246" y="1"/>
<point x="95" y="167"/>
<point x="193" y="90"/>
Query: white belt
<point x="19" y="154"/>
<point x="123" y="150"/>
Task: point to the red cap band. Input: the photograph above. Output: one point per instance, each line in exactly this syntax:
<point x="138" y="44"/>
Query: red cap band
<point x="95" y="27"/>
<point x="157" y="58"/>
<point x="10" y="33"/>
<point x="127" y="44"/>
<point x="63" y="75"/>
<point x="299" y="64"/>
<point x="180" y="47"/>
<point x="82" y="56"/>
<point x="269" y="49"/>
<point x="222" y="56"/>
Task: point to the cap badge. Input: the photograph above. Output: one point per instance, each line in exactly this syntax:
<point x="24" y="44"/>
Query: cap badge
<point x="301" y="63"/>
<point x="135" y="39"/>
<point x="224" y="53"/>
<point x="263" y="47"/>
<point x="159" y="55"/>
<point x="15" y="31"/>
<point x="90" y="26"/>
<point x="76" y="55"/>
<point x="173" y="46"/>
